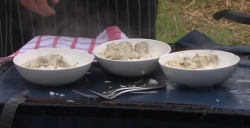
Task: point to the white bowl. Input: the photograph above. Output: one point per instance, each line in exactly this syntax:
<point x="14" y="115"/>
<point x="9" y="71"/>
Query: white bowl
<point x="133" y="68"/>
<point x="200" y="78"/>
<point x="54" y="77"/>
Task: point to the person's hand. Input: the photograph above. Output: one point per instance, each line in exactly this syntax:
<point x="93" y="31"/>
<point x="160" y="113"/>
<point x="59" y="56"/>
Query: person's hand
<point x="39" y="6"/>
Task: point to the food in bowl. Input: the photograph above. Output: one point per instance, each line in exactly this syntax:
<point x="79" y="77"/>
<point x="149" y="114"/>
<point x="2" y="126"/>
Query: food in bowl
<point x="199" y="61"/>
<point x="79" y="61"/>
<point x="200" y="78"/>
<point x="133" y="67"/>
<point x="126" y="51"/>
<point x="52" y="61"/>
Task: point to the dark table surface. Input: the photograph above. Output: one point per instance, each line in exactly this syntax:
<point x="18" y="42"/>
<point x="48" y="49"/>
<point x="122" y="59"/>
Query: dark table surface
<point x="234" y="94"/>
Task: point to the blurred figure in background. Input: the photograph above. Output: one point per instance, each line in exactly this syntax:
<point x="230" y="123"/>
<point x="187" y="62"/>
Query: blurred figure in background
<point x="39" y="6"/>
<point x="72" y="18"/>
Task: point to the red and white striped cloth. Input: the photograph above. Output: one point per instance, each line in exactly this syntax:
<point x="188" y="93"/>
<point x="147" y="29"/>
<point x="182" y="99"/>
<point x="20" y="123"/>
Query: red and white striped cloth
<point x="80" y="43"/>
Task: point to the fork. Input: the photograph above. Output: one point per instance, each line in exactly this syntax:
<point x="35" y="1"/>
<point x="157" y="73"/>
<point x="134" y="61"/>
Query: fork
<point x="118" y="94"/>
<point x="111" y="92"/>
<point x="95" y="96"/>
<point x="114" y="94"/>
<point x="86" y="95"/>
<point x="138" y="92"/>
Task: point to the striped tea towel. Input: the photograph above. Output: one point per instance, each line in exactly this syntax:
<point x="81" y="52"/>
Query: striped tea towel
<point x="80" y="43"/>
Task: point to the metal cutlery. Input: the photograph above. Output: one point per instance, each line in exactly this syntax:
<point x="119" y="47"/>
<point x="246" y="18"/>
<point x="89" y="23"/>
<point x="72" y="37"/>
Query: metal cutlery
<point x="135" y="87"/>
<point x="86" y="95"/>
<point x="145" y="92"/>
<point x="120" y="93"/>
<point x="95" y="96"/>
<point x="111" y="92"/>
<point x="131" y="89"/>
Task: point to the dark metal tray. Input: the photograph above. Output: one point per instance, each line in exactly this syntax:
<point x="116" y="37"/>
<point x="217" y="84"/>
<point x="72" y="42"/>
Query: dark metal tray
<point x="226" y="103"/>
<point x="233" y="94"/>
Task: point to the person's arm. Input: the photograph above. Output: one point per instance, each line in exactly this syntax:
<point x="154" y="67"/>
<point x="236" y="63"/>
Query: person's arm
<point x="39" y="6"/>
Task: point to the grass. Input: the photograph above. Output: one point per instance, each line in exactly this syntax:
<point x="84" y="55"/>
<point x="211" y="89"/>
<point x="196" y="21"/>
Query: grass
<point x="178" y="17"/>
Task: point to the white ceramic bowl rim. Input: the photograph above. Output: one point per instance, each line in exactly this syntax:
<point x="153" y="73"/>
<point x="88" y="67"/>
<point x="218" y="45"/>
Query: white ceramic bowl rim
<point x="54" y="69"/>
<point x="238" y="60"/>
<point x="139" y="60"/>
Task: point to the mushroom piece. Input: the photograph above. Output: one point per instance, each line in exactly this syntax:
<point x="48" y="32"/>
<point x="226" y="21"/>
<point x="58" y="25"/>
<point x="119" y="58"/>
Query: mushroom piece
<point x="125" y="47"/>
<point x="112" y="46"/>
<point x="134" y="55"/>
<point x="141" y="48"/>
<point x="199" y="61"/>
<point x="47" y="62"/>
<point x="125" y="51"/>
<point x="109" y="54"/>
<point x="121" y="56"/>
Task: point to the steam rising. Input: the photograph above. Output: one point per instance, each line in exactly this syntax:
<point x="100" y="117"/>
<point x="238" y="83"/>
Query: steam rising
<point x="75" y="18"/>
